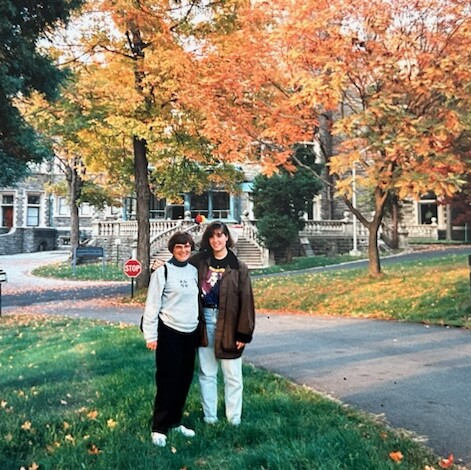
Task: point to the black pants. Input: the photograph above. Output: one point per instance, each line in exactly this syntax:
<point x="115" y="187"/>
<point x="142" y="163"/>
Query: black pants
<point x="175" y="361"/>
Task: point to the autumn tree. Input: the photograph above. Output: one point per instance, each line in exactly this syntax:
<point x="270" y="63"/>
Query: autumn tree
<point x="138" y="62"/>
<point x="68" y="124"/>
<point x="394" y="75"/>
<point x="24" y="69"/>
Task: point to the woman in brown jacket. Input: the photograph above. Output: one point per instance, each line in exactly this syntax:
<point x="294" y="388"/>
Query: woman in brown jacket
<point x="227" y="297"/>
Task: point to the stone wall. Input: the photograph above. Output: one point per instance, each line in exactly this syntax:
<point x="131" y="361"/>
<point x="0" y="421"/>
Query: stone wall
<point x="28" y="240"/>
<point x="332" y="245"/>
<point x="116" y="252"/>
<point x="329" y="246"/>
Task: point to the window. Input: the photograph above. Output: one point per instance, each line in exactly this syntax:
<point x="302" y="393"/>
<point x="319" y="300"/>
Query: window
<point x="6" y="210"/>
<point x="199" y="204"/>
<point x="221" y="206"/>
<point x="32" y="210"/>
<point x="85" y="209"/>
<point x="428" y="209"/>
<point x="157" y="208"/>
<point x="213" y="204"/>
<point x="63" y="208"/>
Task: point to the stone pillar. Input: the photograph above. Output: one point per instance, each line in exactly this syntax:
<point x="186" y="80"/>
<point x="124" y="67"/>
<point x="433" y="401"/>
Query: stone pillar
<point x="403" y="239"/>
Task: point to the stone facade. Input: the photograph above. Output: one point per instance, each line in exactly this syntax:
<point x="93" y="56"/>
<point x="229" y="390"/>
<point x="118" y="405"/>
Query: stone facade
<point x="32" y="219"/>
<point x="25" y="240"/>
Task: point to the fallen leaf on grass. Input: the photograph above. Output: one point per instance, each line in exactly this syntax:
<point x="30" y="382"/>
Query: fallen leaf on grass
<point x="33" y="466"/>
<point x="396" y="456"/>
<point x="92" y="414"/>
<point x="94" y="450"/>
<point x="26" y="426"/>
<point x="111" y="423"/>
<point x="52" y="447"/>
<point x="447" y="463"/>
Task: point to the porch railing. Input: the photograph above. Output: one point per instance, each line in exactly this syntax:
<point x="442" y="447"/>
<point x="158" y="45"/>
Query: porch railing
<point x="411" y="232"/>
<point x="331" y="227"/>
<point x="119" y="228"/>
<point x="159" y="240"/>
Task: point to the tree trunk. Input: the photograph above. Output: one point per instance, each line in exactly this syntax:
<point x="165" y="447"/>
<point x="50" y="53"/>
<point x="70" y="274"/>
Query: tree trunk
<point x="449" y="230"/>
<point x="374" y="265"/>
<point x="325" y="139"/>
<point x="395" y="223"/>
<point x="141" y="182"/>
<point x="141" y="176"/>
<point x="74" y="185"/>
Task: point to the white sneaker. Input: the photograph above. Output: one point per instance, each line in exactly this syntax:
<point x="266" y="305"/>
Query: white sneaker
<point x="185" y="431"/>
<point x="210" y="420"/>
<point x="159" y="439"/>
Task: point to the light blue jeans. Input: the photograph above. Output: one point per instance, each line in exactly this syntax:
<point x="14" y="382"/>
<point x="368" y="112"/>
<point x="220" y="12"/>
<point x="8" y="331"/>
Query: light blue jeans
<point x="208" y="373"/>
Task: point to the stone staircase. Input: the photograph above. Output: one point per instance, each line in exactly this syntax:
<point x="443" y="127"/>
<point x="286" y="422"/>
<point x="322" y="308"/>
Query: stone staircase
<point x="249" y="253"/>
<point x="246" y="250"/>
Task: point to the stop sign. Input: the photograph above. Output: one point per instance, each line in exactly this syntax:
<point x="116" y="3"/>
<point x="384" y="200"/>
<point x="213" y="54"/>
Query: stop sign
<point x="132" y="268"/>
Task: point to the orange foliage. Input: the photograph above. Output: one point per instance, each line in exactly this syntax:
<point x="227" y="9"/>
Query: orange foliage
<point x="244" y="75"/>
<point x="447" y="462"/>
<point x="267" y="78"/>
<point x="396" y="456"/>
<point x="391" y="72"/>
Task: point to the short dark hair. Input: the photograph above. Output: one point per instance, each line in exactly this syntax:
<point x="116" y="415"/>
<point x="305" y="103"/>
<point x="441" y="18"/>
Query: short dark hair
<point x="209" y="232"/>
<point x="180" y="238"/>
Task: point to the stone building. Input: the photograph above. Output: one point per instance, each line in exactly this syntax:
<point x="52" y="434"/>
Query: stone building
<point x="33" y="219"/>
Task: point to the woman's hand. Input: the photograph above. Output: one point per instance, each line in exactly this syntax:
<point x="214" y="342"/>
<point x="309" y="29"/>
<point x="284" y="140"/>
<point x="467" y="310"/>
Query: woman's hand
<point x="239" y="344"/>
<point x="155" y="264"/>
<point x="152" y="345"/>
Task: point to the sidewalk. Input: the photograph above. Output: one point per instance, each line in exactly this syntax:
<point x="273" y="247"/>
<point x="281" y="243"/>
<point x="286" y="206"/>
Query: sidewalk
<point x="418" y="377"/>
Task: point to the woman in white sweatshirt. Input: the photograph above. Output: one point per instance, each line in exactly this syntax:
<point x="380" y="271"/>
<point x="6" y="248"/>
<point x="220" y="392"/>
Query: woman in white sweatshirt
<point x="170" y="326"/>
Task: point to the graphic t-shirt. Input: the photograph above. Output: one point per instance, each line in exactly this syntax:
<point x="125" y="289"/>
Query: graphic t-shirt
<point x="210" y="286"/>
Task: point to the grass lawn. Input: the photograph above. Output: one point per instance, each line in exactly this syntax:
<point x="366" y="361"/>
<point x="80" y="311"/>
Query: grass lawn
<point x="78" y="394"/>
<point x="114" y="272"/>
<point x="83" y="272"/>
<point x="434" y="291"/>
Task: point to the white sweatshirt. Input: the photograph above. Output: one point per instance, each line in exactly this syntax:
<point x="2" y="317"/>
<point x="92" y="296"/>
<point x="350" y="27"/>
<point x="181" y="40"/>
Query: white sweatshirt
<point x="174" y="301"/>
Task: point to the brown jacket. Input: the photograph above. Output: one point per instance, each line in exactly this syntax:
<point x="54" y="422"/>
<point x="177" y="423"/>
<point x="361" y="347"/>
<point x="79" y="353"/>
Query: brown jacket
<point x="236" y="317"/>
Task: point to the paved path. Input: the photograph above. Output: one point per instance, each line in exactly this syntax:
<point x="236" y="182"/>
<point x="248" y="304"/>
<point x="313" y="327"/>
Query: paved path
<point x="24" y="289"/>
<point x="418" y="377"/>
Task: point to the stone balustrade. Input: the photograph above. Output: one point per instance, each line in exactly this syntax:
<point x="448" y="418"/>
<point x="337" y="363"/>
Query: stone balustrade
<point x="117" y="228"/>
<point x="422" y="231"/>
<point x="332" y="228"/>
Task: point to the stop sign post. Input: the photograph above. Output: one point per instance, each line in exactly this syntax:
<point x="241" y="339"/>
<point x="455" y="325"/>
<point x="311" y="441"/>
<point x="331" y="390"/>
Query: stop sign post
<point x="132" y="268"/>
